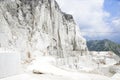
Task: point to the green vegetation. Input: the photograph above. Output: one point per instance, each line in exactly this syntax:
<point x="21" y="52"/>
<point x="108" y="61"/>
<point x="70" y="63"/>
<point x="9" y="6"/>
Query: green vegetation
<point x="104" y="45"/>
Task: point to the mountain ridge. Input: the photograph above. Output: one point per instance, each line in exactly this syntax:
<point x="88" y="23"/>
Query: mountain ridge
<point x="103" y="45"/>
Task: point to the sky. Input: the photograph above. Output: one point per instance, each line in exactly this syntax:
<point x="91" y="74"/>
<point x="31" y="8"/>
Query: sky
<point x="97" y="19"/>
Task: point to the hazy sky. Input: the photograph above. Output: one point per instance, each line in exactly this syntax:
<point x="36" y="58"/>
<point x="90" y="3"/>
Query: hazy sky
<point x="97" y="19"/>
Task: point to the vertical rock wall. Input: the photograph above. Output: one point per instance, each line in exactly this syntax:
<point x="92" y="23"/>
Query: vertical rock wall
<point x="38" y="25"/>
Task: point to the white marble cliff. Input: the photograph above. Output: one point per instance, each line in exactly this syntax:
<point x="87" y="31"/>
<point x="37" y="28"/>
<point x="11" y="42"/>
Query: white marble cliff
<point x="38" y="25"/>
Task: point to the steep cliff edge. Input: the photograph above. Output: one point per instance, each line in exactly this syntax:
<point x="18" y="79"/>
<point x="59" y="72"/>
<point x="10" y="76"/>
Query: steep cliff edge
<point x="38" y="25"/>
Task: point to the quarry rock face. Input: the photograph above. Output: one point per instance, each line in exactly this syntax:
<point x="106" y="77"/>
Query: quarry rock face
<point x="38" y="25"/>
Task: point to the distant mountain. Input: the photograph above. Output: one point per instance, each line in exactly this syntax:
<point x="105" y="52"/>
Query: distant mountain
<point x="103" y="45"/>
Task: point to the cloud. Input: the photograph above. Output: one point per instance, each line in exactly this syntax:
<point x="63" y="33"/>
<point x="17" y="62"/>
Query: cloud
<point x="116" y="23"/>
<point x="89" y="15"/>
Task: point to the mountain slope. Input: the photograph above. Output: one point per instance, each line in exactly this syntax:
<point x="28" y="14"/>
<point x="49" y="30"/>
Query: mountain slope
<point x="103" y="45"/>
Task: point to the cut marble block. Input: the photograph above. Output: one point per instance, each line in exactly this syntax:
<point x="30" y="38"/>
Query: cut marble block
<point x="9" y="63"/>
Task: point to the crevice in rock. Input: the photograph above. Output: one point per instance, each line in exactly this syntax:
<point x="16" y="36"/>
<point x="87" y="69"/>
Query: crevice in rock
<point x="59" y="40"/>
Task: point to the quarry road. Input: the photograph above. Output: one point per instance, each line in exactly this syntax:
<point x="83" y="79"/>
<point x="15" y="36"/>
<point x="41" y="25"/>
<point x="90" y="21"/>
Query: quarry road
<point x="74" y="76"/>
